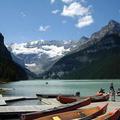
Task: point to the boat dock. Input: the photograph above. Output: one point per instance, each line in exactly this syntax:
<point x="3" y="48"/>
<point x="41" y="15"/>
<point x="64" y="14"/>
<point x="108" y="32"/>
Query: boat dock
<point x="7" y="112"/>
<point x="22" y="109"/>
<point x="3" y="100"/>
<point x="17" y="98"/>
<point x="14" y="112"/>
<point x="48" y="103"/>
<point x="52" y="101"/>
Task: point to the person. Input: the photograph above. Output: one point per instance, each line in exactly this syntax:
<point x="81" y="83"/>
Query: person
<point x="112" y="92"/>
<point x="102" y="90"/>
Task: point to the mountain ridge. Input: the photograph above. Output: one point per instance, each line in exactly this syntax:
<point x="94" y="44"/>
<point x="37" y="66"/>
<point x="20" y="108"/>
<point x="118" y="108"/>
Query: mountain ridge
<point x="9" y="70"/>
<point x="92" y="58"/>
<point x="39" y="56"/>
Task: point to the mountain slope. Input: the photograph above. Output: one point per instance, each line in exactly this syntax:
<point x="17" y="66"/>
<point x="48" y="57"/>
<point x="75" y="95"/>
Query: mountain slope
<point x="40" y="55"/>
<point x="9" y="70"/>
<point x="97" y="58"/>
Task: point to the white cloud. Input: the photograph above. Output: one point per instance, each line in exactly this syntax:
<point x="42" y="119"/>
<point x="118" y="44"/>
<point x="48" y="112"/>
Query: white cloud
<point x="23" y="14"/>
<point x="84" y="21"/>
<point x="75" y="9"/>
<point x="52" y="1"/>
<point x="55" y="11"/>
<point x="44" y="28"/>
<point x="78" y="11"/>
<point x="67" y="1"/>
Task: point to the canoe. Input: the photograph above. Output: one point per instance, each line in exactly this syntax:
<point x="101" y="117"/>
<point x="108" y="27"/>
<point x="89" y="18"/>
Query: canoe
<point x="80" y="114"/>
<point x="65" y="99"/>
<point x="40" y="96"/>
<point x="113" y="115"/>
<point x="104" y="97"/>
<point x="64" y="108"/>
<point x="99" y="94"/>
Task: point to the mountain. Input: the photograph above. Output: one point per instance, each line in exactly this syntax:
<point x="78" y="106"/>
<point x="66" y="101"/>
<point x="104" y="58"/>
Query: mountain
<point x="9" y="70"/>
<point x="38" y="56"/>
<point x="97" y="58"/>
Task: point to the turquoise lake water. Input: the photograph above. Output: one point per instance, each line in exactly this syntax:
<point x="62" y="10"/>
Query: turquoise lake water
<point x="85" y="87"/>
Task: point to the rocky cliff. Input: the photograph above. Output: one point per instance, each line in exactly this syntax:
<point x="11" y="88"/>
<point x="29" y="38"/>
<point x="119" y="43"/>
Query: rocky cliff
<point x="9" y="70"/>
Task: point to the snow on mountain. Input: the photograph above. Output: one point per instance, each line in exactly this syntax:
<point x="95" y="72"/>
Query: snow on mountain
<point x="50" y="50"/>
<point x="39" y="55"/>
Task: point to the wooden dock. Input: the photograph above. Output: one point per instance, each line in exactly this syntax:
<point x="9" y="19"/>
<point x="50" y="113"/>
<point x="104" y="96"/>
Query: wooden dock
<point x="52" y="101"/>
<point x="10" y="99"/>
<point x="21" y="109"/>
<point x="12" y="112"/>
<point x="16" y="111"/>
<point x="17" y="98"/>
<point x="4" y="100"/>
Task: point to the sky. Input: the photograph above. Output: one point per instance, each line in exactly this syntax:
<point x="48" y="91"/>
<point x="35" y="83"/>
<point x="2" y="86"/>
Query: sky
<point x="28" y="20"/>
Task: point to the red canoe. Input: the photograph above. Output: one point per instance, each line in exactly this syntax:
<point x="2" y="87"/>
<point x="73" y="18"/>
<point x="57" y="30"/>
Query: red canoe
<point x="80" y="114"/>
<point x="65" y="99"/>
<point x="96" y="98"/>
<point x="114" y="115"/>
<point x="65" y="108"/>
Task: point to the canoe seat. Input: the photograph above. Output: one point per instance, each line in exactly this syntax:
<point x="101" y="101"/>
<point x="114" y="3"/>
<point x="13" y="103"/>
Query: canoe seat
<point x="81" y="115"/>
<point x="56" y="118"/>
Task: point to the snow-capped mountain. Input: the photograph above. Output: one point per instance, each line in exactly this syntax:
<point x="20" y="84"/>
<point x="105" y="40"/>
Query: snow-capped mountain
<point x="40" y="55"/>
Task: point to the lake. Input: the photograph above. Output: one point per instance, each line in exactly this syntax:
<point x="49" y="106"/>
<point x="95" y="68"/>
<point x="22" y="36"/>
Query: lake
<point x="31" y="87"/>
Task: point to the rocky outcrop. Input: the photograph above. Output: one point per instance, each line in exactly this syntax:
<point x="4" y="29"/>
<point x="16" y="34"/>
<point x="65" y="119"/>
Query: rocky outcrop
<point x="9" y="70"/>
